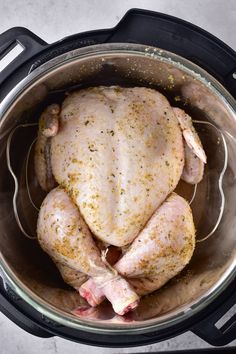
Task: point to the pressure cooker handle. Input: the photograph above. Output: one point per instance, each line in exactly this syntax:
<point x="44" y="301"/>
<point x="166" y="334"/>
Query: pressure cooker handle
<point x="210" y="330"/>
<point x="22" y="41"/>
<point x="180" y="37"/>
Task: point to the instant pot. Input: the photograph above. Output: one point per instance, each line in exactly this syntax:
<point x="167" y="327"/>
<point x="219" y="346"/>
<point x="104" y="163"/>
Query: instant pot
<point x="197" y="72"/>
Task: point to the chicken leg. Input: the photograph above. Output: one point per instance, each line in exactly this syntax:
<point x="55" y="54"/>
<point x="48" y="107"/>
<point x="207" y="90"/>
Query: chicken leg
<point x="162" y="249"/>
<point x="64" y="235"/>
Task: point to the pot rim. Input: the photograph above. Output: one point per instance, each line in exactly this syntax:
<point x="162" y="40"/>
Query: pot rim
<point x="185" y="311"/>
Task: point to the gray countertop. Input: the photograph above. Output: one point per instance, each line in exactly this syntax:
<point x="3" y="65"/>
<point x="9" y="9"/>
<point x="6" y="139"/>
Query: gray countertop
<point x="52" y="20"/>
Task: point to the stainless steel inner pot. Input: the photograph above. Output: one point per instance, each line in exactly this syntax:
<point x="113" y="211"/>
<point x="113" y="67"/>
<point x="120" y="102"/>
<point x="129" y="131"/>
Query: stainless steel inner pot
<point x="23" y="264"/>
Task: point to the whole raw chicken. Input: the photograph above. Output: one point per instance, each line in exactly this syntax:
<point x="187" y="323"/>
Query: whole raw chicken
<point x="116" y="155"/>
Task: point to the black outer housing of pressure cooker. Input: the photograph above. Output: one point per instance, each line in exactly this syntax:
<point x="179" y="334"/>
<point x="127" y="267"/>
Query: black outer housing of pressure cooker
<point x="148" y="28"/>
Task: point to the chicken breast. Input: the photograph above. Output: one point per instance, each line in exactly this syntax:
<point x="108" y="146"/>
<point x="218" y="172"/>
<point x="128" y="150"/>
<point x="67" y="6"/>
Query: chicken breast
<point x="118" y="154"/>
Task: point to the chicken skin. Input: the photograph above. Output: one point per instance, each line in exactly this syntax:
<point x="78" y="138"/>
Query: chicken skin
<point x="117" y="155"/>
<point x="69" y="242"/>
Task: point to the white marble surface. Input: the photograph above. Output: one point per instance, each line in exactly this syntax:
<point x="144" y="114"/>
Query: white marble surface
<point x="54" y="19"/>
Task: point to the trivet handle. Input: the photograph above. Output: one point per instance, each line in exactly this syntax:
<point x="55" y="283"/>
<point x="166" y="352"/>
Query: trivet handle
<point x="28" y="45"/>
